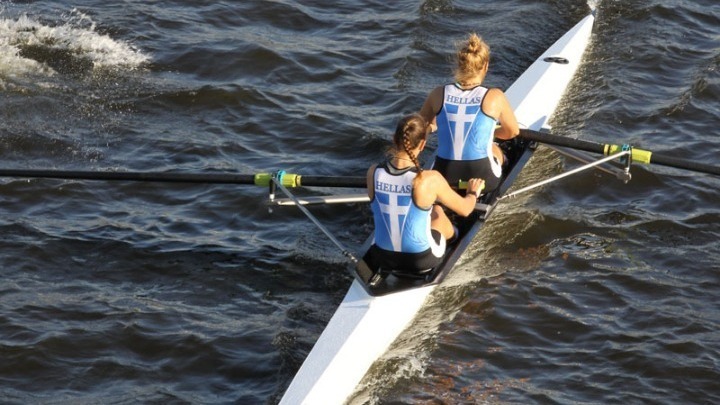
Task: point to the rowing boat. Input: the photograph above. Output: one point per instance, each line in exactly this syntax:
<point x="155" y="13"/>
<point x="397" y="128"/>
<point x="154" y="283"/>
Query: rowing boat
<point x="380" y="304"/>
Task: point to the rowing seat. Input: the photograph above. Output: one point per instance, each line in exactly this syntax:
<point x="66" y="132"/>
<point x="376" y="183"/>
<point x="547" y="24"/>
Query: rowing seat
<point x="420" y="274"/>
<point x="373" y="274"/>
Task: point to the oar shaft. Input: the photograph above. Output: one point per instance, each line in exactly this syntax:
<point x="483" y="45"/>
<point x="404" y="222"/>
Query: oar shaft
<point x="223" y="178"/>
<point x="684" y="164"/>
<point x="638" y="155"/>
<point x="261" y="179"/>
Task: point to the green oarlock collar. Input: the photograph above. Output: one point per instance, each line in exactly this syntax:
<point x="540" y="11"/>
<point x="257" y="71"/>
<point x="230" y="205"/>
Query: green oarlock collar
<point x="286" y="179"/>
<point x="638" y="155"/>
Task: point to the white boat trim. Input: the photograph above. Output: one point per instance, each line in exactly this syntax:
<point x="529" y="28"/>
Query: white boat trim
<point x="364" y="326"/>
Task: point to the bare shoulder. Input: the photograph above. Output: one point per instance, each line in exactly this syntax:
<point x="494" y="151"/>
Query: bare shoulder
<point x="432" y="180"/>
<point x="494" y="102"/>
<point x="433" y="103"/>
<point x="494" y="94"/>
<point x="371" y="172"/>
<point x="438" y="90"/>
<point x="427" y="186"/>
<point x="370" y="178"/>
<point x="437" y="94"/>
<point x="371" y="169"/>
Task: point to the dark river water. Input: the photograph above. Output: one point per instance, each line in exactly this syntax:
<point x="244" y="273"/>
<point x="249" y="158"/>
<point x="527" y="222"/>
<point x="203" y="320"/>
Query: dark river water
<point x="584" y="291"/>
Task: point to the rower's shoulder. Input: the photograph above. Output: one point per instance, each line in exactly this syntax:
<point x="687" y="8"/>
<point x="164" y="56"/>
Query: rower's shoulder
<point x="433" y="103"/>
<point x="494" y="99"/>
<point x="437" y="92"/>
<point x="495" y="92"/>
<point x="432" y="178"/>
<point x="371" y="174"/>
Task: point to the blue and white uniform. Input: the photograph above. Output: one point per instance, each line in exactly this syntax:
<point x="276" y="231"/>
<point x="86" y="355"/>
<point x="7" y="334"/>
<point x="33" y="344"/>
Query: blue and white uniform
<point x="403" y="237"/>
<point x="465" y="137"/>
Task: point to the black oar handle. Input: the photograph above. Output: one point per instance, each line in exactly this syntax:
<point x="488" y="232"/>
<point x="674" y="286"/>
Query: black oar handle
<point x="557" y="140"/>
<point x="596" y="147"/>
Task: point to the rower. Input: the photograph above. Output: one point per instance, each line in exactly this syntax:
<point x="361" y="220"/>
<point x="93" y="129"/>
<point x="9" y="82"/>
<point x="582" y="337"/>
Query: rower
<point x="411" y="230"/>
<point x="465" y="115"/>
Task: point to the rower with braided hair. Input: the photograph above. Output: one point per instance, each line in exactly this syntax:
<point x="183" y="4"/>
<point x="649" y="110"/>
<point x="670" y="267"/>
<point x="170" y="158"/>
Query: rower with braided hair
<point x="410" y="228"/>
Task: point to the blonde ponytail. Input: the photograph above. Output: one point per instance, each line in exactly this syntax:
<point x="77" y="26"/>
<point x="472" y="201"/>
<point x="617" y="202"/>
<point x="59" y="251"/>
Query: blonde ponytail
<point x="472" y="57"/>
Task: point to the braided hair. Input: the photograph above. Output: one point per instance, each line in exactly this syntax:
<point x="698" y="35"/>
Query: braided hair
<point x="410" y="131"/>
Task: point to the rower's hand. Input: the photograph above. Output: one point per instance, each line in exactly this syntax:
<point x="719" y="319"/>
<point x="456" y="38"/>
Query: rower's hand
<point x="475" y="186"/>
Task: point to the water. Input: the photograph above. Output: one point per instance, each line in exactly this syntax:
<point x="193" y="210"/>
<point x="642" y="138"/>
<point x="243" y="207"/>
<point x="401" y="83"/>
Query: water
<point x="586" y="291"/>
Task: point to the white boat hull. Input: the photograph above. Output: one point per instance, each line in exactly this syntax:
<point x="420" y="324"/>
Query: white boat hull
<point x="364" y="326"/>
<point x="533" y="95"/>
<point x="360" y="331"/>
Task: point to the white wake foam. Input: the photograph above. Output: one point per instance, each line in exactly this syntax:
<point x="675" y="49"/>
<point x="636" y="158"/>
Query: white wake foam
<point x="76" y="39"/>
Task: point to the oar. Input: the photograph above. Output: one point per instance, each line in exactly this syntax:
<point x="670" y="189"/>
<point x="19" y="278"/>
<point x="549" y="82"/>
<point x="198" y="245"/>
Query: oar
<point x="638" y="155"/>
<point x="259" y="179"/>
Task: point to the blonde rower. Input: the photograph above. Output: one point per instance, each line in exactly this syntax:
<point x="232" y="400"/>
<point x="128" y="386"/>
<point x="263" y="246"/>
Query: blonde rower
<point x="465" y="115"/>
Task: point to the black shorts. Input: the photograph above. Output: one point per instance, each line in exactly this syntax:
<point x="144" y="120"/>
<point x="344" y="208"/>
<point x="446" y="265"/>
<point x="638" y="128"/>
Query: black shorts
<point x="456" y="170"/>
<point x="377" y="257"/>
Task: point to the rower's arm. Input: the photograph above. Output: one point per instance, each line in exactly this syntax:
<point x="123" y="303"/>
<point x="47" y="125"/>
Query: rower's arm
<point x="509" y="127"/>
<point x="448" y="197"/>
<point x="370" y="180"/>
<point x="431" y="107"/>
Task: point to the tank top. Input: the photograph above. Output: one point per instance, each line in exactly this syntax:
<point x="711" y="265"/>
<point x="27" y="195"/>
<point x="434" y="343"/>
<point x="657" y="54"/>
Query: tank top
<point x="464" y="131"/>
<point x="400" y="225"/>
